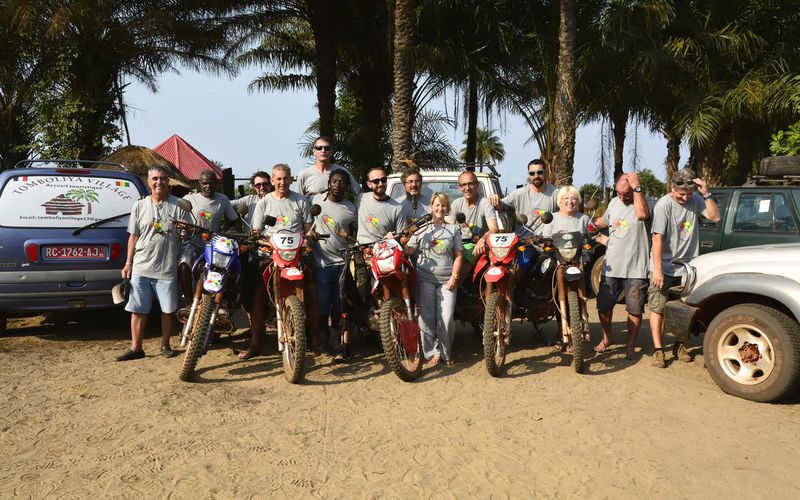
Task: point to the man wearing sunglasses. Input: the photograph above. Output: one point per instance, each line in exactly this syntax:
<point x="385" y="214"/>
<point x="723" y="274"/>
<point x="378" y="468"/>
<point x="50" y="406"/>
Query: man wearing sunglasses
<point x="675" y="236"/>
<point x="262" y="185"/>
<point x="481" y="217"/>
<point x="379" y="216"/>
<point x="530" y="200"/>
<point x="314" y="179"/>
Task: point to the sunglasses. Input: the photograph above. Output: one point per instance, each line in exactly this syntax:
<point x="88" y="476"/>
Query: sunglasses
<point x="261" y="184"/>
<point x="680" y="183"/>
<point x="323" y="148"/>
<point x="466" y="184"/>
<point x="535" y="172"/>
<point x="379" y="180"/>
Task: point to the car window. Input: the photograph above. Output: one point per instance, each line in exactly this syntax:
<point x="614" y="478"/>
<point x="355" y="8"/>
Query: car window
<point x="39" y="200"/>
<point x="763" y="212"/>
<point x="722" y="201"/>
<point x="450" y="188"/>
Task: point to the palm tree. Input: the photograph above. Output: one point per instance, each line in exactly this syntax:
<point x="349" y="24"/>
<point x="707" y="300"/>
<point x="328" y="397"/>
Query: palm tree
<point x="87" y="195"/>
<point x="488" y="147"/>
<point x="565" y="109"/>
<point x="403" y="109"/>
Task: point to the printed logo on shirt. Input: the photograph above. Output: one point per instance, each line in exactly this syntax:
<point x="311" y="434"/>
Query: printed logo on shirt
<point x="411" y="220"/>
<point x="438" y="247"/>
<point x="331" y="223"/>
<point x="685" y="228"/>
<point x="205" y="214"/>
<point x="538" y="212"/>
<point x="620" y="228"/>
<point x="282" y="220"/>
<point x="371" y="219"/>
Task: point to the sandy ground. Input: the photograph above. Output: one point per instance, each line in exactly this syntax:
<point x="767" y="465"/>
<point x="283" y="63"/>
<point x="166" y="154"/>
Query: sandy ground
<point x="75" y="424"/>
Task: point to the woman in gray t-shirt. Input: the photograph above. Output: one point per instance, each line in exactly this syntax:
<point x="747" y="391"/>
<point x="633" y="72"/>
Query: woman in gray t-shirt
<point x="439" y="261"/>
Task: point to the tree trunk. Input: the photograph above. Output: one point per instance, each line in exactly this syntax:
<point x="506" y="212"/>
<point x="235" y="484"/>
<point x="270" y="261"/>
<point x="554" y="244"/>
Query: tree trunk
<point x="403" y="110"/>
<point x="673" y="152"/>
<point x="619" y="124"/>
<point x="322" y="16"/>
<point x="564" y="151"/>
<point x="472" y="119"/>
<point x="747" y="137"/>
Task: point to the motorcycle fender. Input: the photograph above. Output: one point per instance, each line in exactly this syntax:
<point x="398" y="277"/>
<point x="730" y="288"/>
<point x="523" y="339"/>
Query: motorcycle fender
<point x="291" y="273"/>
<point x="495" y="274"/>
<point x="479" y="267"/>
<point x="572" y="273"/>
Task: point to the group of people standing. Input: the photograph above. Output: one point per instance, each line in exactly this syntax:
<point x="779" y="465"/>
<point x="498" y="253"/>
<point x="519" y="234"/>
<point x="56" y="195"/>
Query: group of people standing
<point x="643" y="271"/>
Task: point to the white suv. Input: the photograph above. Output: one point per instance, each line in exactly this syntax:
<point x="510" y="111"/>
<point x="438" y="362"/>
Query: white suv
<point x="747" y="300"/>
<point x="444" y="179"/>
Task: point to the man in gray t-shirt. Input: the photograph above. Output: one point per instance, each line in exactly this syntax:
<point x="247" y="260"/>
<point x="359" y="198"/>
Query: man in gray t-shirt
<point x="314" y="179"/>
<point x="262" y="185"/>
<point x="531" y="200"/>
<point x="379" y="216"/>
<point x="414" y="204"/>
<point x="626" y="259"/>
<point x="675" y="236"/>
<point x="152" y="262"/>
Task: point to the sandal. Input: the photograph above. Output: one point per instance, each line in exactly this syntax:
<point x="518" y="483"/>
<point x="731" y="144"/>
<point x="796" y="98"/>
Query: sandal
<point x="560" y="346"/>
<point x="251" y="352"/>
<point x="601" y="347"/>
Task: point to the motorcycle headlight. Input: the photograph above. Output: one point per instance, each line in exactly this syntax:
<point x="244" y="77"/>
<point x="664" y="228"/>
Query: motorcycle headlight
<point x="287" y="255"/>
<point x="568" y="253"/>
<point x="501" y="253"/>
<point x="546" y="265"/>
<point x="221" y="260"/>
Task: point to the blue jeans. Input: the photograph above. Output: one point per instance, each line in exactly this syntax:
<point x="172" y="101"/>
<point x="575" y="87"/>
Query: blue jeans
<point x="145" y="290"/>
<point x="326" y="280"/>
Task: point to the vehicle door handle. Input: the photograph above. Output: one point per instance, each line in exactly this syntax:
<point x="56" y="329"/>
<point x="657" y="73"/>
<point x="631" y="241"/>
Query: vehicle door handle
<point x="706" y="244"/>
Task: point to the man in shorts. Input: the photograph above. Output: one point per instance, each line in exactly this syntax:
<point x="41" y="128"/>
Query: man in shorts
<point x="626" y="261"/>
<point x="152" y="264"/>
<point x="208" y="208"/>
<point x="675" y="236"/>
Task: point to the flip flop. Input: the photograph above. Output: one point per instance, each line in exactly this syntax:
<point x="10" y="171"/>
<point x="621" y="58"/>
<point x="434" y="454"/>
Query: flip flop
<point x="251" y="352"/>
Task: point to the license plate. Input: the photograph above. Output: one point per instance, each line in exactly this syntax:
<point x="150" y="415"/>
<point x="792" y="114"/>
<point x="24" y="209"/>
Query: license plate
<point x="69" y="252"/>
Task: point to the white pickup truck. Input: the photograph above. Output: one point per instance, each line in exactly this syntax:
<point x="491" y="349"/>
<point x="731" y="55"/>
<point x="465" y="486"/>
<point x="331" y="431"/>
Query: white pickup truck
<point x="747" y="301"/>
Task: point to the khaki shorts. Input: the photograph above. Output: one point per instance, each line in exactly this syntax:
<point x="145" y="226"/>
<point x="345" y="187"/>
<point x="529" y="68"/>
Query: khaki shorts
<point x="658" y="297"/>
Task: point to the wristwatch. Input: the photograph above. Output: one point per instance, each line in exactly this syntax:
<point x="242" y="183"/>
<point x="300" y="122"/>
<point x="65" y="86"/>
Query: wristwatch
<point x="708" y="196"/>
<point x="637" y="189"/>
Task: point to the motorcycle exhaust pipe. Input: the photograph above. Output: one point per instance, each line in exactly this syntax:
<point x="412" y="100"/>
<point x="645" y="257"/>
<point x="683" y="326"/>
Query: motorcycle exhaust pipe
<point x="224" y="325"/>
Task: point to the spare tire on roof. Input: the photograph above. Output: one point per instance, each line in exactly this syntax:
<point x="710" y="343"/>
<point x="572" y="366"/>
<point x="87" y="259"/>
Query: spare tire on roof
<point x="778" y="166"/>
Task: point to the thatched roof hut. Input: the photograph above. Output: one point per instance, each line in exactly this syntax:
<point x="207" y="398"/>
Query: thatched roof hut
<point x="139" y="159"/>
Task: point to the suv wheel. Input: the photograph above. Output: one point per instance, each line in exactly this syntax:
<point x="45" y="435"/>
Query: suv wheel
<point x="753" y="352"/>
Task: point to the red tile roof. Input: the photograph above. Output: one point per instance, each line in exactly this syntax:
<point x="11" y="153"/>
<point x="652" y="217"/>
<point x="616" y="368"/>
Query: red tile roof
<point x="184" y="156"/>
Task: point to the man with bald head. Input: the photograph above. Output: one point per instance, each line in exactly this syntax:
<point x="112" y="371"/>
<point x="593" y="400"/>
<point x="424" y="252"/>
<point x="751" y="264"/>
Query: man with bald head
<point x="626" y="261"/>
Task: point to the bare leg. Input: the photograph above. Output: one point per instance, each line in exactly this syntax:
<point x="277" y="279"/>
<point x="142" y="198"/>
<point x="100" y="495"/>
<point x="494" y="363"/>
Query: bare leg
<point x="605" y="323"/>
<point x="634" y="324"/>
<point x="167" y="326"/>
<point x="138" y="324"/>
<point x="656" y="328"/>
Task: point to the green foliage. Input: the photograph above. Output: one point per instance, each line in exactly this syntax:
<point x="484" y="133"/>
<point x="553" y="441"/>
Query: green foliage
<point x="651" y="185"/>
<point x="786" y="142"/>
<point x="488" y="149"/>
<point x="590" y="190"/>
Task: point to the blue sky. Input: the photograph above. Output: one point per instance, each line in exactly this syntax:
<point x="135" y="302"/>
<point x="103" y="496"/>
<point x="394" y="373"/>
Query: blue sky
<point x="253" y="131"/>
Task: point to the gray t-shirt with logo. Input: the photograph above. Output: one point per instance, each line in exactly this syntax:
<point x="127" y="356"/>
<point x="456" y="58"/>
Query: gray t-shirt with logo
<point x="158" y="246"/>
<point x="476" y="215"/>
<point x="208" y="213"/>
<point x="376" y="218"/>
<point x="627" y="253"/>
<point x="291" y="213"/>
<point x="678" y="224"/>
<point x="337" y="219"/>
<point x="436" y="251"/>
<point x="532" y="204"/>
<point x="250" y="201"/>
<point x="566" y="224"/>
<point x="410" y="213"/>
<point x="311" y="181"/>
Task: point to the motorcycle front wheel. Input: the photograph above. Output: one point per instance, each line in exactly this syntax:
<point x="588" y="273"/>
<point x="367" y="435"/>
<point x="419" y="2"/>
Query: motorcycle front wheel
<point x="294" y="333"/>
<point x="197" y="337"/>
<point x="576" y="330"/>
<point x="496" y="329"/>
<point x="392" y="315"/>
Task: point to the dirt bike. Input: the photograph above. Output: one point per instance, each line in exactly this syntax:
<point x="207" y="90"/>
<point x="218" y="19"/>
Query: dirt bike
<point x="388" y="307"/>
<point x="506" y="260"/>
<point x="283" y="280"/>
<point x="469" y="301"/>
<point x="216" y="293"/>
<point x="562" y="262"/>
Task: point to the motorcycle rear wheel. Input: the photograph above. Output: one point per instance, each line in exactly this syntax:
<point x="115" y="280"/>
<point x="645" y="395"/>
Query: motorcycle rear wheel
<point x="392" y="315"/>
<point x="576" y="331"/>
<point x="496" y="328"/>
<point x="294" y="331"/>
<point x="197" y="336"/>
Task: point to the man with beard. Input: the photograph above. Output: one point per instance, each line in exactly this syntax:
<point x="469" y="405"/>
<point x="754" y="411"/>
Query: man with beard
<point x="208" y="208"/>
<point x="314" y="179"/>
<point x="414" y="204"/>
<point x="675" y="236"/>
<point x="379" y="216"/>
<point x="337" y="219"/>
<point x="531" y="200"/>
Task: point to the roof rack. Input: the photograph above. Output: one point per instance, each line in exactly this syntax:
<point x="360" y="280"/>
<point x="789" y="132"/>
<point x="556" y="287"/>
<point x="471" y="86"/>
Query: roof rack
<point x="785" y="180"/>
<point x="474" y="167"/>
<point x="67" y="163"/>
